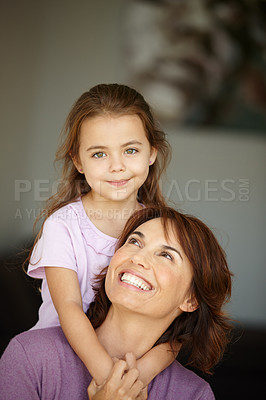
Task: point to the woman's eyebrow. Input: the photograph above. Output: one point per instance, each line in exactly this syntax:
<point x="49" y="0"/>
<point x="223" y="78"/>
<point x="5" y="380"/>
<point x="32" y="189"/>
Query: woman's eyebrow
<point x="140" y="234"/>
<point x="165" y="247"/>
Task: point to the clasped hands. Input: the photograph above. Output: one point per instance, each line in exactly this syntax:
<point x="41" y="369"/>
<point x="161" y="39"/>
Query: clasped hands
<point x="121" y="384"/>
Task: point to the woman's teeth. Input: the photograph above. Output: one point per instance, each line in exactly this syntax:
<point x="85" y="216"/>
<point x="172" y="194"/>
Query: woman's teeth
<point x="135" y="281"/>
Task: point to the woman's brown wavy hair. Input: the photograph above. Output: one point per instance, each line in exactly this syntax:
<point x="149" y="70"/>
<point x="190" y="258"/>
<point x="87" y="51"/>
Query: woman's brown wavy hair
<point x="104" y="99"/>
<point x="205" y="332"/>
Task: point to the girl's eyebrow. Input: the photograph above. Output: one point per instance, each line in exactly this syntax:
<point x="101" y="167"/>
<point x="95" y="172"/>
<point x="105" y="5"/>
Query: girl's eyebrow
<point x="97" y="147"/>
<point x="132" y="142"/>
<point x="100" y="147"/>
<point x="164" y="246"/>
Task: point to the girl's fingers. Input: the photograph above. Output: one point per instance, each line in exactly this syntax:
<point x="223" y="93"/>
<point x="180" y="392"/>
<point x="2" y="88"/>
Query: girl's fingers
<point x="123" y="383"/>
<point x="92" y="389"/>
<point x="143" y="395"/>
<point x="130" y="377"/>
<point x="118" y="371"/>
<point x="143" y="392"/>
<point x="135" y="390"/>
<point x="131" y="360"/>
<point x="110" y="385"/>
<point x="125" y="380"/>
<point x="130" y="384"/>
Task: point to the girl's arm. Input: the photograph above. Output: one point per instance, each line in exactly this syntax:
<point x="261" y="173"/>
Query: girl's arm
<point x="155" y="361"/>
<point x="65" y="292"/>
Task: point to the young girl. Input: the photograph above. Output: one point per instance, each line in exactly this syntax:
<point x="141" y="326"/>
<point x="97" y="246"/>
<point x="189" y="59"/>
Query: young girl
<point x="113" y="156"/>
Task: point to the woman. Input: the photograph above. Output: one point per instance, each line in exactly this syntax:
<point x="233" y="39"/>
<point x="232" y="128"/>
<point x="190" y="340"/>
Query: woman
<point x="167" y="282"/>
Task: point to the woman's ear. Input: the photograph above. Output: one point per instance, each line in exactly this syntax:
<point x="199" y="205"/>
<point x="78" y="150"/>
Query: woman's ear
<point x="190" y="304"/>
<point x="153" y="155"/>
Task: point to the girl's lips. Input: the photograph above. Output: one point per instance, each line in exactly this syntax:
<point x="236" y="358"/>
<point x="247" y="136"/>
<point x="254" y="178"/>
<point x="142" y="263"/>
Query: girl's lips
<point x="118" y="183"/>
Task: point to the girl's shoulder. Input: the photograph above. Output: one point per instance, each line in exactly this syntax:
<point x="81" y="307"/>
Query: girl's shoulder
<point x="69" y="212"/>
<point x="73" y="219"/>
<point x="64" y="222"/>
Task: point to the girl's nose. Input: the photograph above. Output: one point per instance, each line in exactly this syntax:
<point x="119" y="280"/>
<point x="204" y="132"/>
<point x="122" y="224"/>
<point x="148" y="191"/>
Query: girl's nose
<point x="117" y="164"/>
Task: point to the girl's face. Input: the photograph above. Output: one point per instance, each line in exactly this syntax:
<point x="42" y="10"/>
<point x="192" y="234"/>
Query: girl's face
<point x="151" y="275"/>
<point x="115" y="156"/>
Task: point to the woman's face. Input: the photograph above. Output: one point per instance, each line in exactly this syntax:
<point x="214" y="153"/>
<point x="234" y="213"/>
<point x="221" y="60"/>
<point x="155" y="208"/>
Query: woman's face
<point x="151" y="274"/>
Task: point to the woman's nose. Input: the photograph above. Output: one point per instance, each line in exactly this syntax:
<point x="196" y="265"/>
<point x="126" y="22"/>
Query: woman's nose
<point x="117" y="164"/>
<point x="142" y="259"/>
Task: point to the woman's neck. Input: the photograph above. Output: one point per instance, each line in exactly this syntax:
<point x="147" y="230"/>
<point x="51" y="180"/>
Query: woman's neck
<point x="124" y="332"/>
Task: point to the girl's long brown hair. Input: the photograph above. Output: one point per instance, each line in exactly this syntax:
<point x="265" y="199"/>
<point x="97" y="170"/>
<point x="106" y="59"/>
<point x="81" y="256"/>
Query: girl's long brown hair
<point x="205" y="332"/>
<point x="104" y="99"/>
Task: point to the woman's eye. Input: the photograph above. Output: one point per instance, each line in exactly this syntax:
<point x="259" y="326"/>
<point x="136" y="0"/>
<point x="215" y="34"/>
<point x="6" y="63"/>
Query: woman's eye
<point x="131" y="151"/>
<point x="167" y="255"/>
<point x="133" y="241"/>
<point x="100" y="154"/>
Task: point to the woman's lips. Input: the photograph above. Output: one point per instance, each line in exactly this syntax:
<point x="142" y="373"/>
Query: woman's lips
<point x="135" y="280"/>
<point x="118" y="183"/>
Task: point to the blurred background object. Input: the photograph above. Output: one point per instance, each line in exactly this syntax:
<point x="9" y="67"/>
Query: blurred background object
<point x="202" y="62"/>
<point x="201" y="65"/>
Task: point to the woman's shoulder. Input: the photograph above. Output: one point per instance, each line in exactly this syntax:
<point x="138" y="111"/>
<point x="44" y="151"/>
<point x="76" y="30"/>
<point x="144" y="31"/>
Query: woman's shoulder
<point x="39" y="339"/>
<point x="176" y="381"/>
<point x="36" y="345"/>
<point x="42" y="355"/>
<point x="41" y="346"/>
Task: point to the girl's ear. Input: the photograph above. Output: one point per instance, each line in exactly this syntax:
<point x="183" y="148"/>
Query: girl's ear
<point x="77" y="163"/>
<point x="153" y="155"/>
<point x="190" y="304"/>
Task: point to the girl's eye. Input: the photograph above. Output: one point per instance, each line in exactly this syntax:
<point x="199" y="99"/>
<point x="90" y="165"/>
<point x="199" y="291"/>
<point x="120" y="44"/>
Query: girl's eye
<point x="167" y="255"/>
<point x="134" y="241"/>
<point x="100" y="154"/>
<point x="131" y="151"/>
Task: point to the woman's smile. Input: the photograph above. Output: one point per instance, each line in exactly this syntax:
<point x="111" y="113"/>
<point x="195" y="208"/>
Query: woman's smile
<point x="134" y="280"/>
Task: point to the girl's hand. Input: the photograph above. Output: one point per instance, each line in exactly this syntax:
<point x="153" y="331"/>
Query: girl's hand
<point x="122" y="384"/>
<point x="132" y="363"/>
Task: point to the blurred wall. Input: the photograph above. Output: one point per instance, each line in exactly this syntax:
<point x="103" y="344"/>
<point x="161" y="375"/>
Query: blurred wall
<point x="219" y="176"/>
<point x="55" y="50"/>
<point x="52" y="52"/>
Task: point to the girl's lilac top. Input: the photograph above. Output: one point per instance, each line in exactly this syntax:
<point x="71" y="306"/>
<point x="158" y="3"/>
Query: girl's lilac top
<point x="69" y="240"/>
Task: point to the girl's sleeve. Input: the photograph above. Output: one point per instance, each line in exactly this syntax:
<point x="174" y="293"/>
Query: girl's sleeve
<point x="55" y="248"/>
